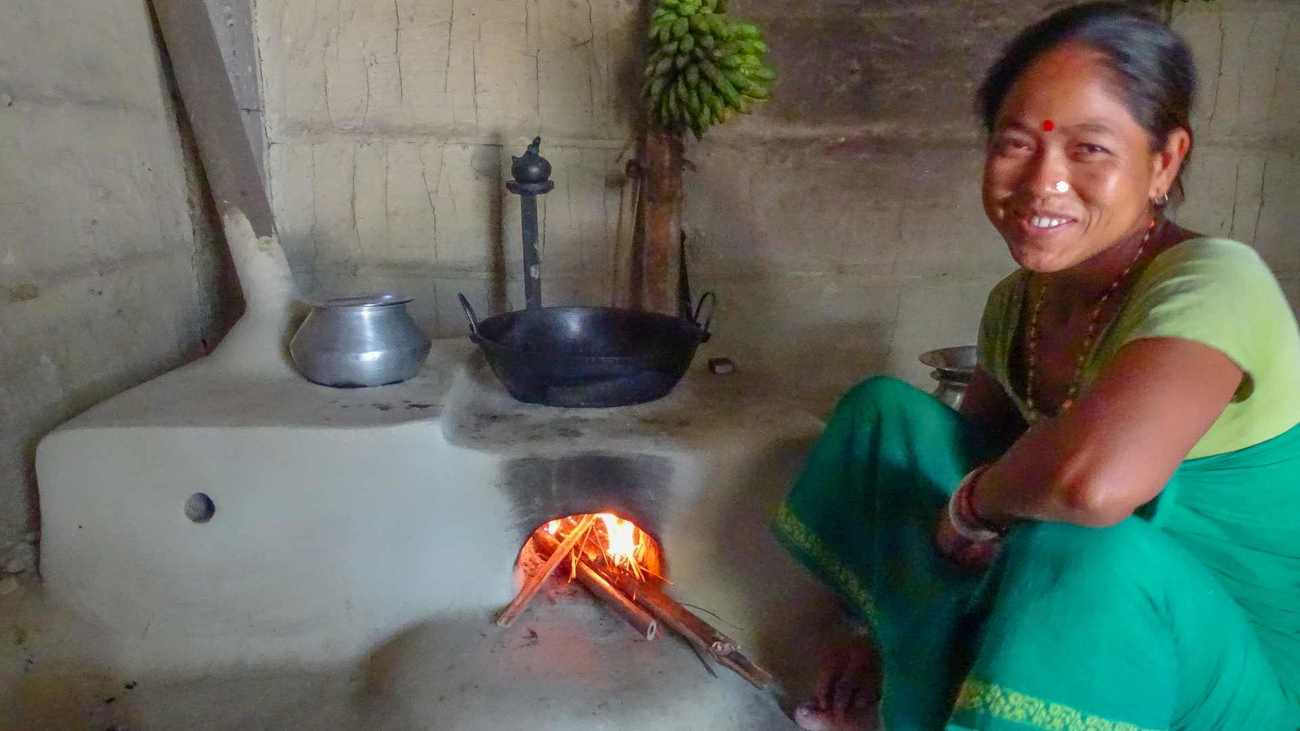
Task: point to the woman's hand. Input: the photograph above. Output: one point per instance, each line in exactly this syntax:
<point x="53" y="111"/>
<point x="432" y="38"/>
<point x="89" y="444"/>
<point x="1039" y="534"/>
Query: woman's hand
<point x="962" y="551"/>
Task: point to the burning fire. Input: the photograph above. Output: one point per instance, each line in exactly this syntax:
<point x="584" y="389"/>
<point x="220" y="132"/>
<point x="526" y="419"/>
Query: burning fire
<point x="616" y="542"/>
<point x="620" y="565"/>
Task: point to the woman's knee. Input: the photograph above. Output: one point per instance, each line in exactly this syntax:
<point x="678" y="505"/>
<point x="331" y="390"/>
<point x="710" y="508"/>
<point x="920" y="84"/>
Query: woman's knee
<point x="881" y="388"/>
<point x="882" y="394"/>
<point x="1130" y="549"/>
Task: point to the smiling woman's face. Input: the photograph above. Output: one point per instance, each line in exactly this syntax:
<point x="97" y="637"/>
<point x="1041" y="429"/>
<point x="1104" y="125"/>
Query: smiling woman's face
<point x="1092" y="144"/>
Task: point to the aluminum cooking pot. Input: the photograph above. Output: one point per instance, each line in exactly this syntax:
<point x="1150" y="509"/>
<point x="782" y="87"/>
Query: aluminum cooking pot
<point x="348" y="342"/>
<point x="954" y="368"/>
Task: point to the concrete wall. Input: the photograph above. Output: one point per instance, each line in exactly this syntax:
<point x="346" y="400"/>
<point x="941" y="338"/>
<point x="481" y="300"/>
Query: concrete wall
<point x="390" y="127"/>
<point x="844" y="222"/>
<point x="1245" y="176"/>
<point x="841" y="225"/>
<point x="110" y="273"/>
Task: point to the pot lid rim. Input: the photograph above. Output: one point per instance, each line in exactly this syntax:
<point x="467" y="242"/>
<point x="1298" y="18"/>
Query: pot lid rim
<point x="375" y="299"/>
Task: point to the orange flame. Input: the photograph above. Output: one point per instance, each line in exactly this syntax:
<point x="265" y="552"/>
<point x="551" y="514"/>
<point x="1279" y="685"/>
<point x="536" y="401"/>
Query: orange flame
<point x="621" y="539"/>
<point x="619" y="543"/>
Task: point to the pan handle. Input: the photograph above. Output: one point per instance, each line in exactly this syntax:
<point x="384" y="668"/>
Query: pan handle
<point x="469" y="315"/>
<point x="699" y="307"/>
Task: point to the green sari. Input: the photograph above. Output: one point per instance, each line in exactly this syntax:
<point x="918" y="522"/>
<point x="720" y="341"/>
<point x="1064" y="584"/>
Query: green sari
<point x="1125" y="628"/>
<point x="1184" y="616"/>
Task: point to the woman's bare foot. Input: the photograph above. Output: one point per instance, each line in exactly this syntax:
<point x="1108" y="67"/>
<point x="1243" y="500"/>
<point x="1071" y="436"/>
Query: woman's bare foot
<point x="856" y="719"/>
<point x="848" y="691"/>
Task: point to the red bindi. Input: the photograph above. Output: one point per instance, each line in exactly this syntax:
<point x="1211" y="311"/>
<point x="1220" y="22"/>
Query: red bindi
<point x="1048" y="125"/>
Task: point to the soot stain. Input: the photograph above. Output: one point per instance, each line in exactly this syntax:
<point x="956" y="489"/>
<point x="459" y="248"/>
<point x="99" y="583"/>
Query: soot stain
<point x="542" y="488"/>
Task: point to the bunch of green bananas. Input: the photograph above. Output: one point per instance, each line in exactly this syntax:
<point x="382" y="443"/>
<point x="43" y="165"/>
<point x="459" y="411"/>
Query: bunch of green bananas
<point x="702" y="66"/>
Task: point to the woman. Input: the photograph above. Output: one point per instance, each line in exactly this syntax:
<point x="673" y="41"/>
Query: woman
<point x="1118" y="502"/>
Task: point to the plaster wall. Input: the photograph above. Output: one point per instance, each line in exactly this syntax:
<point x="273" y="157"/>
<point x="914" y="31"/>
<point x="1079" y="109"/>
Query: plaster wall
<point x="844" y="222"/>
<point x="390" y="128"/>
<point x="110" y="273"/>
<point x="840" y="225"/>
<point x="1245" y="178"/>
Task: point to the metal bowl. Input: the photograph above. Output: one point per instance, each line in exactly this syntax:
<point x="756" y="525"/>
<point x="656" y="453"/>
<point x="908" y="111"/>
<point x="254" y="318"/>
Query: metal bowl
<point x="369" y="340"/>
<point x="952" y="364"/>
<point x="588" y="356"/>
<point x="954" y="368"/>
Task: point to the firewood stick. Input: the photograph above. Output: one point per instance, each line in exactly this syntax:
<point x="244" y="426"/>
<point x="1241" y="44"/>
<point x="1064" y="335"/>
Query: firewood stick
<point x="695" y="630"/>
<point x="746" y="668"/>
<point x="704" y="636"/>
<point x="641" y="621"/>
<point x="534" y="582"/>
<point x="700" y="634"/>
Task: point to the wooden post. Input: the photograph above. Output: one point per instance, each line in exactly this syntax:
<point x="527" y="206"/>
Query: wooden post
<point x="659" y="216"/>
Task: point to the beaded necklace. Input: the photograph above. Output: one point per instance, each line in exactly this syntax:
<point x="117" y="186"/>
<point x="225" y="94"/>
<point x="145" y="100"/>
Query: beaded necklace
<point x="1094" y="321"/>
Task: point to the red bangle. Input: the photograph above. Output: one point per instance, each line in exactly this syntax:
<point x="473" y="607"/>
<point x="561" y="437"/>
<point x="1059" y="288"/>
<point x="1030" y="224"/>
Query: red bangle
<point x="971" y="514"/>
<point x="960" y="513"/>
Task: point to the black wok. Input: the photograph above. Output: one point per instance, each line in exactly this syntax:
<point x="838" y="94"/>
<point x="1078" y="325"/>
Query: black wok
<point x="588" y="356"/>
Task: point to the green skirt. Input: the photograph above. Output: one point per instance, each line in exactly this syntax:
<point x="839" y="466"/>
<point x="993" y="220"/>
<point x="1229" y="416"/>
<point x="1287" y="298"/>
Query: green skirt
<point x="1073" y="628"/>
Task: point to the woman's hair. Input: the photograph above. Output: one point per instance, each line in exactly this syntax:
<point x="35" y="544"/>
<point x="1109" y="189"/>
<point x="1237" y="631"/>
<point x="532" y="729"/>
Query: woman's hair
<point x="1153" y="67"/>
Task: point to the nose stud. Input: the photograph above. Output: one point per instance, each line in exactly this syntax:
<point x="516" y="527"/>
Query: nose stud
<point x="1061" y="186"/>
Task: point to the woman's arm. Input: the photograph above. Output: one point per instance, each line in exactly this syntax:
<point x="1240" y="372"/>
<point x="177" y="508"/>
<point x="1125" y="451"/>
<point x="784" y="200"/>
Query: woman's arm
<point x="986" y="406"/>
<point x="1119" y="444"/>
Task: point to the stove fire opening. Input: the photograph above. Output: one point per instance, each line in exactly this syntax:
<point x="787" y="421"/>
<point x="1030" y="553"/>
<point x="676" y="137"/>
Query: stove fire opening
<point x="609" y="555"/>
<point x="610" y="542"/>
<point x="623" y="566"/>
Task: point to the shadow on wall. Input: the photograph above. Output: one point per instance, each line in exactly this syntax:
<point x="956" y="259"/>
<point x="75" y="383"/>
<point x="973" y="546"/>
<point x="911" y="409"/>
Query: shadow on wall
<point x="542" y="488"/>
<point x="215" y="268"/>
<point x="815" y="325"/>
<point x="198" y="320"/>
<point x="780" y="327"/>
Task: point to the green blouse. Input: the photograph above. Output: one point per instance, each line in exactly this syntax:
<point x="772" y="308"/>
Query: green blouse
<point x="1213" y="291"/>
